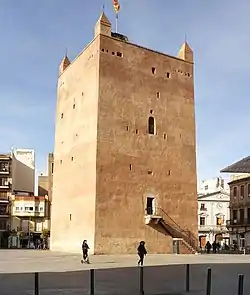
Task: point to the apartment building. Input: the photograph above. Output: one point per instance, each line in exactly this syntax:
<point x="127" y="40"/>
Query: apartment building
<point x="17" y="174"/>
<point x="239" y="221"/>
<point x="5" y="192"/>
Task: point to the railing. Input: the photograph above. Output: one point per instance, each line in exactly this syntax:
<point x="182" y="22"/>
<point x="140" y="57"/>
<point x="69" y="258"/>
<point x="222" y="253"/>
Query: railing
<point x="185" y="234"/>
<point x="237" y="222"/>
<point x="4" y="198"/>
<point x="203" y="209"/>
<point x="212" y="227"/>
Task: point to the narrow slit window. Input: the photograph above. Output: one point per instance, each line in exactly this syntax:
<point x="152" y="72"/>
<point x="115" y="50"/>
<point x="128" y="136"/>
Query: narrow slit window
<point x="130" y="167"/>
<point x="102" y="50"/>
<point x="60" y="161"/>
<point x="153" y="70"/>
<point x="127" y="128"/>
<point x="70" y="217"/>
<point x="158" y="94"/>
<point x="72" y="158"/>
<point x="151" y="125"/>
<point x="61" y="115"/>
<point x="164" y="135"/>
<point x="168" y="75"/>
<point x="136" y="131"/>
<point x="74" y="106"/>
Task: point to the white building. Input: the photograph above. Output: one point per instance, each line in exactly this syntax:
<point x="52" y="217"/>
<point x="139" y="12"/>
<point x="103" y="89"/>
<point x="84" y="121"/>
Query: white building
<point x="213" y="211"/>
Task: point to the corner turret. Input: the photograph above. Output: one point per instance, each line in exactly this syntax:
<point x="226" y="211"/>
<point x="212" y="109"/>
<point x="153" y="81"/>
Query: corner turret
<point x="64" y="64"/>
<point x="103" y="26"/>
<point x="186" y="53"/>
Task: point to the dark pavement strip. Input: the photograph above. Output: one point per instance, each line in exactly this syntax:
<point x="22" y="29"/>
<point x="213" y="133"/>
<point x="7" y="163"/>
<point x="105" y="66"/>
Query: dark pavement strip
<point x="158" y="280"/>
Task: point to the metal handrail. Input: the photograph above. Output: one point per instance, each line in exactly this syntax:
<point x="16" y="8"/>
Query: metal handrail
<point x="185" y="233"/>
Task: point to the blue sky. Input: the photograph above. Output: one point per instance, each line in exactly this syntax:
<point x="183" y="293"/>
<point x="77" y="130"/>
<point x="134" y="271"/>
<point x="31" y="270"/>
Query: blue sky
<point x="34" y="35"/>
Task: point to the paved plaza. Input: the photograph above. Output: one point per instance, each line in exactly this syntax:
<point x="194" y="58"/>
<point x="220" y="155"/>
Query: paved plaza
<point x="163" y="274"/>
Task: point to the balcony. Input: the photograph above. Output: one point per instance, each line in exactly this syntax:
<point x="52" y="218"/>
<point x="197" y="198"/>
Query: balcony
<point x="203" y="209"/>
<point x="4" y="198"/>
<point x="4" y="211"/>
<point x="4" y="170"/>
<point x="4" y="184"/>
<point x="238" y="223"/>
<point x="212" y="228"/>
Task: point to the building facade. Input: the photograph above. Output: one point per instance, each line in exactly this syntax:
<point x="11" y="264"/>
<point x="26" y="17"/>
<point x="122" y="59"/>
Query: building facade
<point x="45" y="182"/>
<point x="125" y="153"/>
<point x="17" y="172"/>
<point x="239" y="221"/>
<point x="213" y="211"/>
<point x="29" y="213"/>
<point x="5" y="192"/>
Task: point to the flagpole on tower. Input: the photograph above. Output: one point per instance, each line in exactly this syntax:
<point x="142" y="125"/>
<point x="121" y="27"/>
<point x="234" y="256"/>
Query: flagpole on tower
<point x="116" y="6"/>
<point x="116" y="22"/>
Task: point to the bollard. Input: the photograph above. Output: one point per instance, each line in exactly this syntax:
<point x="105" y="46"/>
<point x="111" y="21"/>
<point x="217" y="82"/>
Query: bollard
<point x="92" y="282"/>
<point x="36" y="284"/>
<point x="209" y="281"/>
<point x="141" y="281"/>
<point x="240" y="285"/>
<point x="187" y="278"/>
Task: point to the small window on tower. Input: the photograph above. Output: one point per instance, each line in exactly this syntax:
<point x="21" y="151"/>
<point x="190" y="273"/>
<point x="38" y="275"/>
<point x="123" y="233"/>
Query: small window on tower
<point x="168" y="75"/>
<point x="61" y="115"/>
<point x="151" y="125"/>
<point x="165" y="136"/>
<point x="113" y="53"/>
<point x="130" y="167"/>
<point x="158" y="94"/>
<point x="74" y="106"/>
<point x="119" y="54"/>
<point x="153" y="71"/>
<point x="60" y="161"/>
<point x="136" y="131"/>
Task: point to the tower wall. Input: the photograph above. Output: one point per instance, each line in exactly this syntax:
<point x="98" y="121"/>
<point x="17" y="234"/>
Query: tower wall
<point x="74" y="179"/>
<point x="128" y="91"/>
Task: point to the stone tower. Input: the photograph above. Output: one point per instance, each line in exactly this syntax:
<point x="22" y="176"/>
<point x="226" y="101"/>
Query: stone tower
<point x="125" y="156"/>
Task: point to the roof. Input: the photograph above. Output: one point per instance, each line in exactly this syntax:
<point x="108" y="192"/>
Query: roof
<point x="242" y="166"/>
<point x="239" y="180"/>
<point x="221" y="192"/>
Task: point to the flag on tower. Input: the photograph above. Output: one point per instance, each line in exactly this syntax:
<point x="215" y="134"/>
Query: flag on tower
<point x="116" y="5"/>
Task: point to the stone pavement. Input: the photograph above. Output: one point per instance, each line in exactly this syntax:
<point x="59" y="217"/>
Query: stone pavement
<point x="163" y="274"/>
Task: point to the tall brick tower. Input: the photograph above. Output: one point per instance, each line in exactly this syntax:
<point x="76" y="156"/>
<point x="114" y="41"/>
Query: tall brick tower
<point x="125" y="156"/>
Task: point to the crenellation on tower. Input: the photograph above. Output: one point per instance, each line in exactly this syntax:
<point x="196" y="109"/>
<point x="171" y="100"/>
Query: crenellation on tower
<point x="186" y="53"/>
<point x="64" y="64"/>
<point x="103" y="26"/>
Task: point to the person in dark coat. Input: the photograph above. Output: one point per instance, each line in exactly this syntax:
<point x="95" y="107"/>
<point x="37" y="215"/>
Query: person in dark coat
<point x="85" y="249"/>
<point x="214" y="245"/>
<point x="141" y="252"/>
<point x="208" y="247"/>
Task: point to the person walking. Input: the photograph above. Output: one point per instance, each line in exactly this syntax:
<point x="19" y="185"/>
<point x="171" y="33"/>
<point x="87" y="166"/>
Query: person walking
<point x="208" y="247"/>
<point x="141" y="252"/>
<point x="85" y="249"/>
